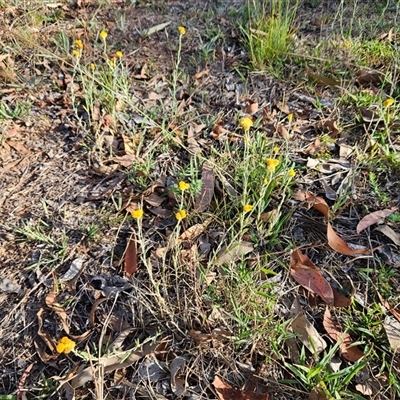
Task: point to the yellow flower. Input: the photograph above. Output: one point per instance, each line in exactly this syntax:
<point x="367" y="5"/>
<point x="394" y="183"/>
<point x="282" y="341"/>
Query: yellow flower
<point x="276" y="149"/>
<point x="347" y="43"/>
<point x="183" y="186"/>
<point x="266" y="181"/>
<point x="103" y="35"/>
<point x="181" y="214"/>
<point x="79" y="44"/>
<point x="290" y="117"/>
<point x="92" y="66"/>
<point x="182" y="30"/>
<point x="247" y="207"/>
<point x="112" y="62"/>
<point x="292" y="173"/>
<point x="65" y="345"/>
<point x="246" y="123"/>
<point x="76" y="53"/>
<point x="137" y="213"/>
<point x="272" y="164"/>
<point x="388" y="102"/>
<point x="119" y="54"/>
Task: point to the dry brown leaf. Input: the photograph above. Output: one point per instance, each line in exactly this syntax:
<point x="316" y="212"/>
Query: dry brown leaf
<point x="370" y="77"/>
<point x="202" y="73"/>
<point x="318" y="203"/>
<point x="18" y="146"/>
<point x="334" y="241"/>
<point x="251" y="108"/>
<point x="157" y="28"/>
<point x="338" y="244"/>
<point x="131" y="259"/>
<point x="390" y="233"/>
<point x="392" y="328"/>
<point x="47" y="339"/>
<point x="191" y="139"/>
<point x="154" y="200"/>
<point x="313" y="147"/>
<point x="203" y="199"/>
<point x="307" y="334"/>
<point x="199" y="337"/>
<point x="152" y="96"/>
<point x="74" y="270"/>
<point x="194" y="231"/>
<point x="340" y="300"/>
<point x="374" y="218"/>
<point x="329" y="125"/>
<point x="294" y="353"/>
<point x="125" y="161"/>
<point x="282" y="131"/>
<point x="349" y="352"/>
<point x="283" y="107"/>
<point x="227" y="392"/>
<point x="218" y="130"/>
<point x="234" y="252"/>
<point x="130" y="144"/>
<point x="143" y="73"/>
<point x="270" y="216"/>
<point x="109" y="364"/>
<point x="304" y="272"/>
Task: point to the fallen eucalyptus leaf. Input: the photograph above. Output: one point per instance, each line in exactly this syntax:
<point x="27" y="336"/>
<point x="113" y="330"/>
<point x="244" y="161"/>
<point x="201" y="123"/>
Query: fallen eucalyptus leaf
<point x="390" y="233"/>
<point x="392" y="328"/>
<point x="74" y="269"/>
<point x="157" y="28"/>
<point x="374" y="218"/>
<point x="234" y="252"/>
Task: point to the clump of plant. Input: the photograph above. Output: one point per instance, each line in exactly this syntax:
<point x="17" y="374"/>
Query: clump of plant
<point x="268" y="32"/>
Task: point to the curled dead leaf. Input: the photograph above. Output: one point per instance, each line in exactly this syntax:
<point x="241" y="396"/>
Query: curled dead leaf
<point x="348" y="350"/>
<point x="304" y="272"/>
<point x="218" y="130"/>
<point x="203" y="199"/>
<point x="374" y="218"/>
<point x="338" y="244"/>
<point x="131" y="257"/>
<point x="306" y="332"/>
<point x="234" y="252"/>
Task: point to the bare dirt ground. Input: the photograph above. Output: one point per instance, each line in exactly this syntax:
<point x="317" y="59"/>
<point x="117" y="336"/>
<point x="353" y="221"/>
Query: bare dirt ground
<point x="64" y="198"/>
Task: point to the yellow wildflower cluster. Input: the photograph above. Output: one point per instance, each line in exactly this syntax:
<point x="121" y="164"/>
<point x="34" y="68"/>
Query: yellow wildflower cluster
<point x="181" y="30"/>
<point x="79" y="44"/>
<point x="181" y="214"/>
<point x="76" y="53"/>
<point x="65" y="345"/>
<point x="119" y="54"/>
<point x="247" y="207"/>
<point x="183" y="186"/>
<point x="272" y="163"/>
<point x="246" y="123"/>
<point x="388" y="102"/>
<point x="292" y="173"/>
<point x="137" y="213"/>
